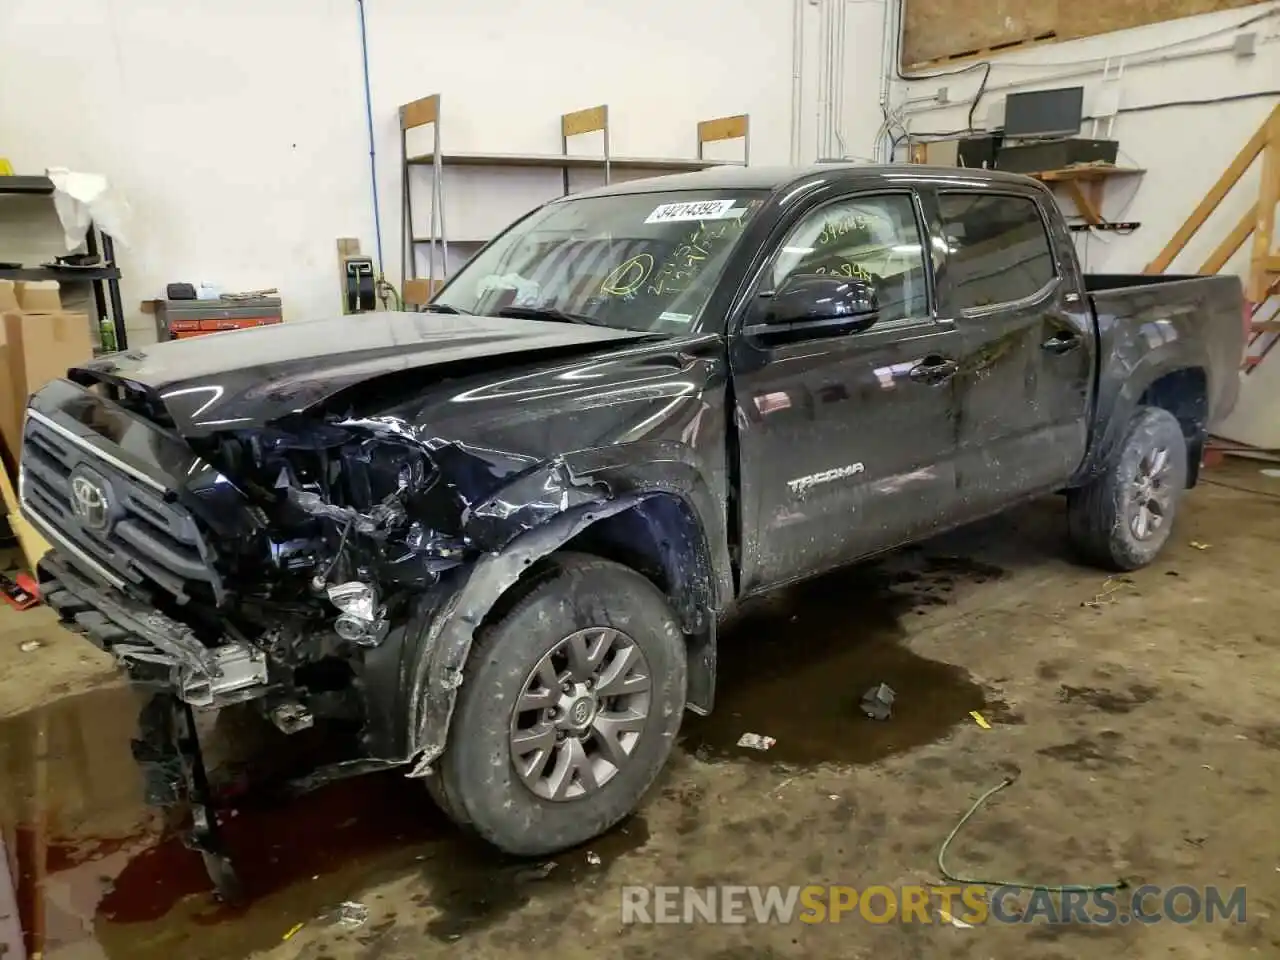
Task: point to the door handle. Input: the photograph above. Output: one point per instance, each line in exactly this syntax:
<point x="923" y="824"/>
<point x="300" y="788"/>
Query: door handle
<point x="1061" y="343"/>
<point x="933" y="370"/>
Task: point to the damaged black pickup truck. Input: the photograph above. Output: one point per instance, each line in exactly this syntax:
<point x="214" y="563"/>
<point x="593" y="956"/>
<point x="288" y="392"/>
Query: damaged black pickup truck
<point x="500" y="533"/>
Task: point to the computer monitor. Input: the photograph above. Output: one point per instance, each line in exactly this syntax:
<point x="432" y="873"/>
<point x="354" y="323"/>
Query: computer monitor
<point x="1044" y="113"/>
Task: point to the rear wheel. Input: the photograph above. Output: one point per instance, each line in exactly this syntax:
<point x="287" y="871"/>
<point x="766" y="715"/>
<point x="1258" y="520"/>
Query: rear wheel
<point x="1122" y="519"/>
<point x="569" y="709"/>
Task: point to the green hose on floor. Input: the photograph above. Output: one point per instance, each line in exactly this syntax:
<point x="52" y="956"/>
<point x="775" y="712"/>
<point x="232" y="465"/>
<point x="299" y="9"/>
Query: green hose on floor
<point x="974" y="881"/>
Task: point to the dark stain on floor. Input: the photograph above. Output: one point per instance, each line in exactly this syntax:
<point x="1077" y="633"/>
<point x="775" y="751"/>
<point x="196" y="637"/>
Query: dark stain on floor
<point x="1099" y="751"/>
<point x="796" y="665"/>
<point x="1109" y="701"/>
<point x="71" y="797"/>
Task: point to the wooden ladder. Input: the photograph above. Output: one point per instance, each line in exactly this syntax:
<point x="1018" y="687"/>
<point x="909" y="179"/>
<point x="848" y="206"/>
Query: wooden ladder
<point x="1258" y="221"/>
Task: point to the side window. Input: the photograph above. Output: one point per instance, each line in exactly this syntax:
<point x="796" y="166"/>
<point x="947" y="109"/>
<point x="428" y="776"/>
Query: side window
<point x="998" y="248"/>
<point x="876" y="238"/>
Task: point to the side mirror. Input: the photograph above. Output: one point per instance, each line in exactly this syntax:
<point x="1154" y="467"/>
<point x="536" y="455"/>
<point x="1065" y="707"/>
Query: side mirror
<point x="814" y="305"/>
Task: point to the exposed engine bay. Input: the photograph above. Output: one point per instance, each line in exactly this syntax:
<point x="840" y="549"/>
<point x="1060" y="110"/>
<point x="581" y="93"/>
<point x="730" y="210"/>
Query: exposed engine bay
<point x="353" y="515"/>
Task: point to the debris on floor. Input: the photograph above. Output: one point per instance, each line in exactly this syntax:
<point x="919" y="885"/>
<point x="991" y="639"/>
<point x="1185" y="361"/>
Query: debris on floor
<point x="1110" y="587"/>
<point x="540" y="872"/>
<point x="292" y="931"/>
<point x="954" y="921"/>
<point x="980" y="720"/>
<point x="30" y="646"/>
<point x="593" y="858"/>
<point x="20" y="592"/>
<point x="1197" y="545"/>
<point x="755" y="741"/>
<point x="352" y="915"/>
<point x="877" y="703"/>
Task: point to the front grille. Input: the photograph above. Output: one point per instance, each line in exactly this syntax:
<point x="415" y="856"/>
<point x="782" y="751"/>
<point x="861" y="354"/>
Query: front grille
<point x="109" y="519"/>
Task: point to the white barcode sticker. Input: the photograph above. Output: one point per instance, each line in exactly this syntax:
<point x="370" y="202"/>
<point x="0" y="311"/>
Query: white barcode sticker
<point x="692" y="210"/>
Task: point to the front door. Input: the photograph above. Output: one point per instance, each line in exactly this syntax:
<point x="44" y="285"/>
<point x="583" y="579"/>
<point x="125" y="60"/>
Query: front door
<point x="1024" y="377"/>
<point x="846" y="442"/>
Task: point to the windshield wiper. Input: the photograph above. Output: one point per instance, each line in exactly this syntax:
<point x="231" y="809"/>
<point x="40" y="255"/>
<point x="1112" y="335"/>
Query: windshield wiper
<point x="547" y="313"/>
<point x="443" y="308"/>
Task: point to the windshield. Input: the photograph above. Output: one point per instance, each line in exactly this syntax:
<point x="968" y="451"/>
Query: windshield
<point x="642" y="261"/>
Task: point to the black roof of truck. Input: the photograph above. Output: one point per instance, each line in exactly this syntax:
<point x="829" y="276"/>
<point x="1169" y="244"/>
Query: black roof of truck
<point x="738" y="177"/>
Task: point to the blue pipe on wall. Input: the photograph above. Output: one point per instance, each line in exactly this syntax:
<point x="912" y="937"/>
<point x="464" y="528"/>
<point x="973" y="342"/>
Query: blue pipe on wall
<point x="373" y="158"/>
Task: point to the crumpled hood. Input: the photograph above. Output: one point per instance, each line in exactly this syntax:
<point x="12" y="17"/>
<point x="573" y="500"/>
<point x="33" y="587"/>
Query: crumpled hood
<point x="247" y="378"/>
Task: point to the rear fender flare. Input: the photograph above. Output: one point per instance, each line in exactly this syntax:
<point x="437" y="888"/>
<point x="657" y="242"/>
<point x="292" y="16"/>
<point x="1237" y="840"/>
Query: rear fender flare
<point x="1117" y="405"/>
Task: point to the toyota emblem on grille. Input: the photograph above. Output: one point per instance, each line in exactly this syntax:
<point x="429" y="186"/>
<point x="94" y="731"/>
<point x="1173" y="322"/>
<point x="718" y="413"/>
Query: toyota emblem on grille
<point x="90" y="501"/>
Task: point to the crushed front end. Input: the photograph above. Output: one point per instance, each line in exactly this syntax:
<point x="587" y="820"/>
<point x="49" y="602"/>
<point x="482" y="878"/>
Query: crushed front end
<point x="278" y="587"/>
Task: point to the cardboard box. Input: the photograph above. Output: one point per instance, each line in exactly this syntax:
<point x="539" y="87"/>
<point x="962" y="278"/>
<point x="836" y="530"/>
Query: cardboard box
<point x="8" y="297"/>
<point x="39" y="296"/>
<point x="40" y="347"/>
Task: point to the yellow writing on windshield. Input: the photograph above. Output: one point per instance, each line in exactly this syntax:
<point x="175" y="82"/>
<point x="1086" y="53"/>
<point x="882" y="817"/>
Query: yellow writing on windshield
<point x="687" y="258"/>
<point x="627" y="277"/>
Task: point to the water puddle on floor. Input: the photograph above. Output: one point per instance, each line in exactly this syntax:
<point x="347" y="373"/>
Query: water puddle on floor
<point x="98" y="875"/>
<point x="795" y="665"/>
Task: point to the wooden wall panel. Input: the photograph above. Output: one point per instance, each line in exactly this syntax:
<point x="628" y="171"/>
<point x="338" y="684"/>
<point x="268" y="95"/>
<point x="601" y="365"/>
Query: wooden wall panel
<point x="942" y="30"/>
<point x="939" y="29"/>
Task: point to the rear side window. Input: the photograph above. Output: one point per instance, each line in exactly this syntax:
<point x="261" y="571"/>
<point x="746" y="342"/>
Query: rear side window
<point x="999" y="250"/>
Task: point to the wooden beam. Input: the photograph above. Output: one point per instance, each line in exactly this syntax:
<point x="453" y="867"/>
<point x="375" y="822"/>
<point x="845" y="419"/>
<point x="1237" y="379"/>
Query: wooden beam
<point x="1087" y="206"/>
<point x="419" y="292"/>
<point x="420" y="112"/>
<point x="33" y="545"/>
<point x="1228" y="247"/>
<point x="1243" y="160"/>
<point x="584" y="121"/>
<point x="1265" y="212"/>
<point x="722" y="128"/>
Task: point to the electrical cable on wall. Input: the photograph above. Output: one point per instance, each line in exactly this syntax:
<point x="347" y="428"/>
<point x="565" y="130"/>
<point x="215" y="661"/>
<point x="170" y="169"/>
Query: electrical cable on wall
<point x="896" y="118"/>
<point x="930" y="136"/>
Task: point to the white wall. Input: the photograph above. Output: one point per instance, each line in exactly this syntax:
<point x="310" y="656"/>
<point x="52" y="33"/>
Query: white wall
<point x="236" y="128"/>
<point x="1183" y="149"/>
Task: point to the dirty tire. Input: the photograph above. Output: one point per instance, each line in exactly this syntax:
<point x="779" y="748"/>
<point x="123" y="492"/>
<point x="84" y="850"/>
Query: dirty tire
<point x="438" y="792"/>
<point x="1098" y="515"/>
<point x="479" y="786"/>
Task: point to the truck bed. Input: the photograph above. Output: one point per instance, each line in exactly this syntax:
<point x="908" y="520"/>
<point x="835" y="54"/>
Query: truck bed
<point x="1099" y="282"/>
<point x="1188" y="321"/>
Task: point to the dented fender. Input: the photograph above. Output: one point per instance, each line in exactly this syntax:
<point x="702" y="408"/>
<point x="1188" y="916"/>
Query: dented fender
<point x="437" y="646"/>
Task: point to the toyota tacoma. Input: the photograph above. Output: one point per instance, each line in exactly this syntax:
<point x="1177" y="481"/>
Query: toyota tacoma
<point x="498" y="534"/>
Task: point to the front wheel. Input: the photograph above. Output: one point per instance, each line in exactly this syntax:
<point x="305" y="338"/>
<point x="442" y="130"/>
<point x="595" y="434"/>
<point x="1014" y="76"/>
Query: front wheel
<point x="1122" y="518"/>
<point x="569" y="709"/>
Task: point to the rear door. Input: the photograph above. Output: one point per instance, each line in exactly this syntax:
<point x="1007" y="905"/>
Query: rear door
<point x="846" y="442"/>
<point x="1023" y="386"/>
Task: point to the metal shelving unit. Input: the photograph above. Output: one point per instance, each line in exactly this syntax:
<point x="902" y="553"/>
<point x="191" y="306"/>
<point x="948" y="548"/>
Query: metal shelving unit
<point x="105" y="279"/>
<point x="426" y="111"/>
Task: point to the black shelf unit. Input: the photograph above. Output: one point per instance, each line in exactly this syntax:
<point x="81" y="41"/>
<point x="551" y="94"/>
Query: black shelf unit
<point x="62" y="275"/>
<point x="105" y="280"/>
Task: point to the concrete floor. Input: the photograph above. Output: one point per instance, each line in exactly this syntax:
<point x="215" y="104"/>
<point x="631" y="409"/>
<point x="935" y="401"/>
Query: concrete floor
<point x="1140" y="712"/>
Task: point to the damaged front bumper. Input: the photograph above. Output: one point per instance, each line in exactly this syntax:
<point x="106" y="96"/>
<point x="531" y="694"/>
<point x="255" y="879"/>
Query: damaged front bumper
<point x="155" y="650"/>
